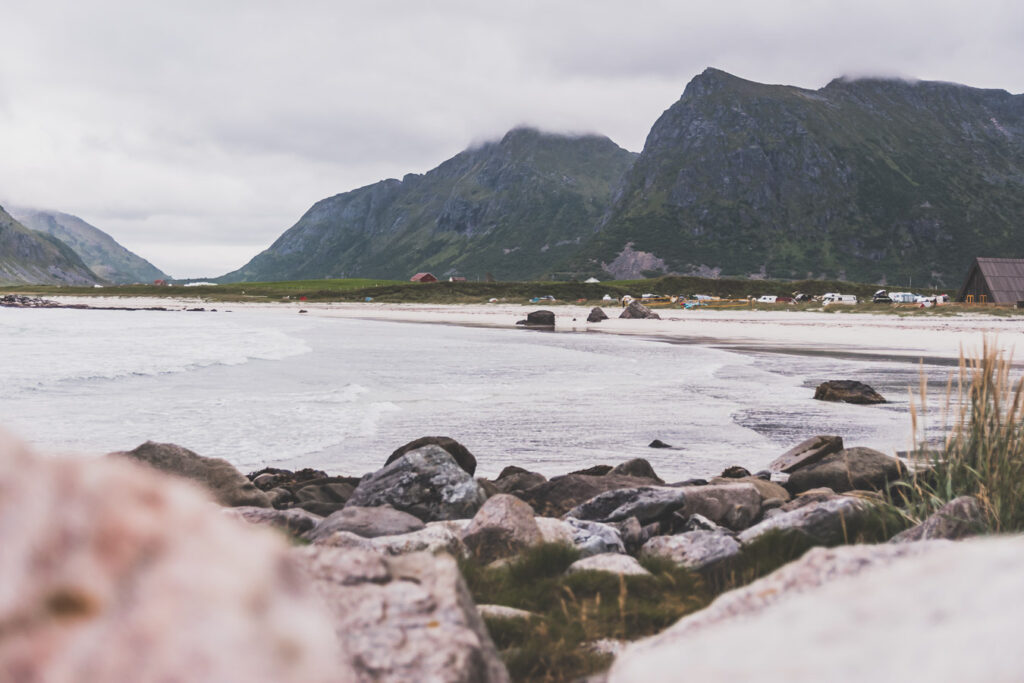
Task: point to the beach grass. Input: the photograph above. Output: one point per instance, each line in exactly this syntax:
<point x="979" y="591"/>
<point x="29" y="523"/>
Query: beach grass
<point x="574" y="610"/>
<point x="983" y="452"/>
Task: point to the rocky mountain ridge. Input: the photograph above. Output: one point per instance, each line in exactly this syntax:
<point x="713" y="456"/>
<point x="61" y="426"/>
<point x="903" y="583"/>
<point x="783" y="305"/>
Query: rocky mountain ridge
<point x="98" y="250"/>
<point x="30" y="257"/>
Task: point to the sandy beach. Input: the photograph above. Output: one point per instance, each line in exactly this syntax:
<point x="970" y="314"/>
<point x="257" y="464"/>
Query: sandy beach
<point x="840" y="333"/>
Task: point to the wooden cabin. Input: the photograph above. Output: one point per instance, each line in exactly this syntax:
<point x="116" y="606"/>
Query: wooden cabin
<point x="993" y="281"/>
<point x="423" y="277"/>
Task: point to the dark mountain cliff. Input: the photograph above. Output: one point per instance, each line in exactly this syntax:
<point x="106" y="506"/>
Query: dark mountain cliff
<point x="30" y="257"/>
<point x="873" y="180"/>
<point x="98" y="250"/>
<point x="517" y="208"/>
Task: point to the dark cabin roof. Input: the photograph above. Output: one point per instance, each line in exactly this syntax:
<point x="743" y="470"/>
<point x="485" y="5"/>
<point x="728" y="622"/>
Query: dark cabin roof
<point x="1004" y="277"/>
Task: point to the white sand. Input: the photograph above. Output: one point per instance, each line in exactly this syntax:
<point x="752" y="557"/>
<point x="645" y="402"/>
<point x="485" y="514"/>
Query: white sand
<point x="798" y="331"/>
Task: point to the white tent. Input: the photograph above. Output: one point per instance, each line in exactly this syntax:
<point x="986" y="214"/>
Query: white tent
<point x="591" y="280"/>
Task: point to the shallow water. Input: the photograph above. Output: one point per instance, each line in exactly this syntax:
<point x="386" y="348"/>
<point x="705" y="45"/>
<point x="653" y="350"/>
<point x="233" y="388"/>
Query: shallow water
<point x="274" y="388"/>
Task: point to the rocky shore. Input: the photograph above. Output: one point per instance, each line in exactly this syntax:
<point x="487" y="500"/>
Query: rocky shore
<point x="311" y="576"/>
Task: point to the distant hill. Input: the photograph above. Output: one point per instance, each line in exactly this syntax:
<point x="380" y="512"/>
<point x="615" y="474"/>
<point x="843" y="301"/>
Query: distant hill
<point x="516" y="208"/>
<point x="874" y="180"/>
<point x="30" y="257"/>
<point x="98" y="250"/>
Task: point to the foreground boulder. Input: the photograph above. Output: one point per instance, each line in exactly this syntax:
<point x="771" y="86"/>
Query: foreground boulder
<point x="538" y="319"/>
<point x="806" y="452"/>
<point x="408" y="618"/>
<point x="426" y="483"/>
<point x="150" y="584"/>
<point x="850" y="469"/>
<point x="596" y="315"/>
<point x="959" y="518"/>
<point x="366" y="522"/>
<point x="636" y="310"/>
<point x="503" y="527"/>
<point x="455" y="449"/>
<point x="929" y="611"/>
<point x="847" y="391"/>
<point x="228" y="486"/>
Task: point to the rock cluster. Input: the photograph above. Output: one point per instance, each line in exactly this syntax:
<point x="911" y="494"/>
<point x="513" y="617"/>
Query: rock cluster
<point x="18" y="301"/>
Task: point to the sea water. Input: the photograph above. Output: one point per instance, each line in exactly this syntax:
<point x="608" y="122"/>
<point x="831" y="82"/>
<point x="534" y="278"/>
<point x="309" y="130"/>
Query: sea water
<point x="280" y="389"/>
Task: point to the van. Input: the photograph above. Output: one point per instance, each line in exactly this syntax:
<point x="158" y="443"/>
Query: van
<point x="766" y="299"/>
<point x="837" y="298"/>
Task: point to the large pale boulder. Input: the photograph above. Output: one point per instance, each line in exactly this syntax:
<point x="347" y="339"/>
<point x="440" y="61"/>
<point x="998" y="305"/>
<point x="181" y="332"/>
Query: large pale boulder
<point x="929" y="611"/>
<point x="150" y="584"/>
<point x="408" y="618"/>
<point x="850" y="469"/>
<point x="646" y="503"/>
<point x="228" y="486"/>
<point x="594" y="538"/>
<point x="735" y="506"/>
<point x="427" y="483"/>
<point x="503" y="527"/>
<point x="694" y="549"/>
<point x="366" y="522"/>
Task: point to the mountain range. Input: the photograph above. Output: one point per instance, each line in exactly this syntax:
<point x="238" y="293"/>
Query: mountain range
<point x="99" y="251"/>
<point x="31" y="257"/>
<point x="876" y="180"/>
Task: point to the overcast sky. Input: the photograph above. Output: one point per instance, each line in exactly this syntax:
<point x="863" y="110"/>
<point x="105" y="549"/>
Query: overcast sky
<point x="197" y="131"/>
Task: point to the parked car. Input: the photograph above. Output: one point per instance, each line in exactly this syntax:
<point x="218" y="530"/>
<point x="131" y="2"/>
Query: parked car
<point x="767" y="299"/>
<point x="881" y="297"/>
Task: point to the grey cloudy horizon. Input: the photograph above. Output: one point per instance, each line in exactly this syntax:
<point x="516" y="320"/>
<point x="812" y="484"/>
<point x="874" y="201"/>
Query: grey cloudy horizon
<point x="195" y="133"/>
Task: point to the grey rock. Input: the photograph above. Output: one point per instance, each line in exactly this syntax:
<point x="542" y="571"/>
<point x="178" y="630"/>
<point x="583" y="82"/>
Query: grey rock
<point x="701" y="523"/>
<point x="436" y="537"/>
<point x="594" y="538"/>
<point x="959" y="518"/>
<point x="228" y="486"/>
<point x="637" y="467"/>
<point x="735" y="506"/>
<point x="266" y="481"/>
<point x="632" y="534"/>
<point x="612" y="563"/>
<point x="697" y="550"/>
<point x="647" y="504"/>
<point x="636" y="310"/>
<point x="827" y="522"/>
<point x="519" y="481"/>
<point x="402" y="618"/>
<point x="735" y="472"/>
<point x="426" y="483"/>
<point x="294" y="521"/>
<point x="806" y="452"/>
<point x="558" y="495"/>
<point x="850" y="469"/>
<point x="462" y="456"/>
<point x="596" y="315"/>
<point x="658" y="443"/>
<point x="538" y="319"/>
<point x="767" y="489"/>
<point x="366" y="522"/>
<point x="847" y="391"/>
<point x="503" y="612"/>
<point x="503" y="527"/>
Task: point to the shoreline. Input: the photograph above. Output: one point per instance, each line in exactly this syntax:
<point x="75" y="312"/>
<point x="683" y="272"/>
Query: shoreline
<point x="858" y="336"/>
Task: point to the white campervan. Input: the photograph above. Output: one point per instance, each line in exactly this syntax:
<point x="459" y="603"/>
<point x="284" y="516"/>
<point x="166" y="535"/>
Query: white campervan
<point x="837" y="298"/>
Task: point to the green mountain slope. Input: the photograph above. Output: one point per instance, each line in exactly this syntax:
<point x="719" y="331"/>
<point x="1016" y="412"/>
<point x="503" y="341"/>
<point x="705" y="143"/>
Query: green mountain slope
<point x="873" y="180"/>
<point x="98" y="250"/>
<point x="516" y="208"/>
<point x="30" y="257"/>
